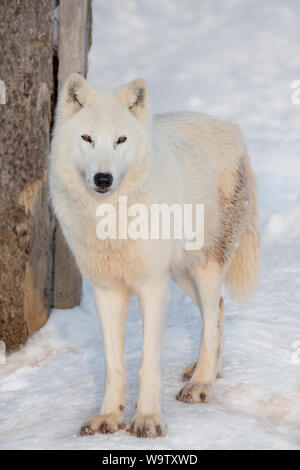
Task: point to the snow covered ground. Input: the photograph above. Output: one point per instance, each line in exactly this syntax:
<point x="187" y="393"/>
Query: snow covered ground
<point x="236" y="59"/>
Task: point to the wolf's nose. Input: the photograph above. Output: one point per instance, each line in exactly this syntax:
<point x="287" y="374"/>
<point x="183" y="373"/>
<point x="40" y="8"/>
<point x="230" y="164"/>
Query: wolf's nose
<point x="103" y="180"/>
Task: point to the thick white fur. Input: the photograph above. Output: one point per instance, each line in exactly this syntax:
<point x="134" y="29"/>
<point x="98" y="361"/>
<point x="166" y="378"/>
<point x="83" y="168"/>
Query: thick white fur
<point x="174" y="158"/>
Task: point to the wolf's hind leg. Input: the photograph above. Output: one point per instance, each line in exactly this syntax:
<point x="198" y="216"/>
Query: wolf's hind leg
<point x="112" y="306"/>
<point x="208" y="281"/>
<point x="189" y="370"/>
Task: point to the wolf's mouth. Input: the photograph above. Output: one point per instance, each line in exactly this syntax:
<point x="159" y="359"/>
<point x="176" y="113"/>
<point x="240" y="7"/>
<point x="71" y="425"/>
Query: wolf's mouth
<point x="98" y="190"/>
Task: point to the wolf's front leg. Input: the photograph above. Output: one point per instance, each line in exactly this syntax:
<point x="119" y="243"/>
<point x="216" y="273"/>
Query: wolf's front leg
<point x="112" y="308"/>
<point x="153" y="299"/>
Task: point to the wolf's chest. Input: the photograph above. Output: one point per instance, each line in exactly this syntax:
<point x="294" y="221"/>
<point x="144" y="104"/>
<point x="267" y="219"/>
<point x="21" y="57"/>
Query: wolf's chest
<point x="112" y="267"/>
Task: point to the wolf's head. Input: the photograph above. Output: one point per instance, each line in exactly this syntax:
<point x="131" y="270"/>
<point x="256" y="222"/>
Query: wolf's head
<point x="102" y="133"/>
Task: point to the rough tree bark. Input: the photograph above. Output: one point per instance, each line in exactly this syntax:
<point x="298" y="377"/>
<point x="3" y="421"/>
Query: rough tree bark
<point x="75" y="39"/>
<point x="25" y="220"/>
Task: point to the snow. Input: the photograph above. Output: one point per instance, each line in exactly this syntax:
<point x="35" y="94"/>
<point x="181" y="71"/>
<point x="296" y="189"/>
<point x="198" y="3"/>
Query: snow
<point x="236" y="59"/>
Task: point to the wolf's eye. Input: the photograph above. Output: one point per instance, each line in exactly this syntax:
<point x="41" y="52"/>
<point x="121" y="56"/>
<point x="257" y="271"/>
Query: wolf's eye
<point x="87" y="138"/>
<point x="121" y="139"/>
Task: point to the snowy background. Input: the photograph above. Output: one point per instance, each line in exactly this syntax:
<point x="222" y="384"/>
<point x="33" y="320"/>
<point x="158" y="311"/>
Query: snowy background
<point x="236" y="59"/>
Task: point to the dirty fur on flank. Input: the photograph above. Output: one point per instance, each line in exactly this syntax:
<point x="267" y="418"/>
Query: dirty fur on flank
<point x="180" y="157"/>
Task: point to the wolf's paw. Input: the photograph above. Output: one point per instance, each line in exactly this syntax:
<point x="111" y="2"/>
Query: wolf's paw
<point x="147" y="426"/>
<point x="195" y="393"/>
<point x="102" y="424"/>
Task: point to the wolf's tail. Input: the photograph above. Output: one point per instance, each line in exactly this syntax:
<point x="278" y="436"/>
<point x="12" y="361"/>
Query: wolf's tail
<point x="243" y="272"/>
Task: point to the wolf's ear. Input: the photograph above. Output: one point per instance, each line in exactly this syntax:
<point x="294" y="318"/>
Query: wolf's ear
<point x="74" y="95"/>
<point x="136" y="97"/>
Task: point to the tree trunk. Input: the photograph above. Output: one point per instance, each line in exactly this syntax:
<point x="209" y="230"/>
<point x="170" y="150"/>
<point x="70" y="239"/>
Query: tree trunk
<point x="75" y="23"/>
<point x="25" y="221"/>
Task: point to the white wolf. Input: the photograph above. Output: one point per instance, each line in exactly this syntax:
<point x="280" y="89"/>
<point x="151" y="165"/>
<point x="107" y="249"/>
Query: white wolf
<point x="106" y="145"/>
